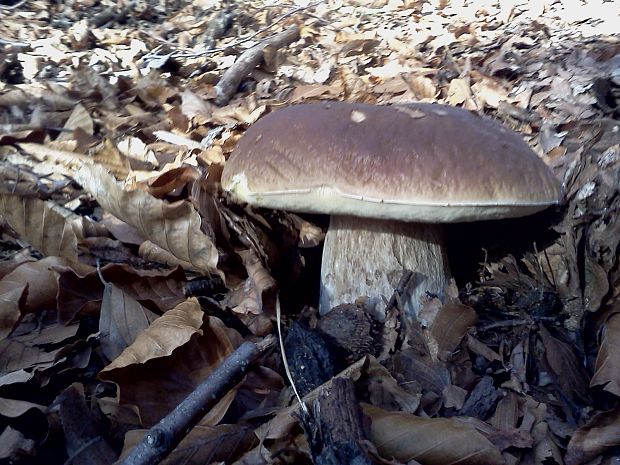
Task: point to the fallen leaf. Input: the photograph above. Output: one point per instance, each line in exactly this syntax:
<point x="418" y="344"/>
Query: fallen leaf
<point x="121" y="321"/>
<point x="174" y="227"/>
<point x="594" y="438"/>
<point x="166" y="333"/>
<point x="607" y="366"/>
<point x="48" y="227"/>
<point x="31" y="287"/>
<point x="255" y="287"/>
<point x="169" y="359"/>
<point x="430" y="441"/>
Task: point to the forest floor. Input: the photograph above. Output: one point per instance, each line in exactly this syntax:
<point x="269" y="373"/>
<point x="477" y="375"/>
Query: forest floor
<point x="127" y="276"/>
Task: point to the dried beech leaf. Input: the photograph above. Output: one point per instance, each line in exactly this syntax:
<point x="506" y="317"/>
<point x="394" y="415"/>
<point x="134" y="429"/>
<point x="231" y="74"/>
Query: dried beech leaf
<point x="12" y="298"/>
<point x="152" y="252"/>
<point x="13" y="442"/>
<point x="17" y="354"/>
<point x="160" y="379"/>
<point x="384" y="391"/>
<point x="80" y="118"/>
<point x="122" y="319"/>
<point x="28" y="288"/>
<point x="431" y="441"/>
<point x="169" y="331"/>
<point x="174" y="227"/>
<point x="259" y="282"/>
<point x="82" y="428"/>
<point x="595" y="437"/>
<point x="79" y="293"/>
<point x="109" y="156"/>
<point x="162" y="289"/>
<point x="48" y="227"/>
<point x="563" y="362"/>
<point x="63" y="161"/>
<point x="607" y="368"/>
<point x="16" y="408"/>
<point x="121" y="230"/>
<point x="448" y="328"/>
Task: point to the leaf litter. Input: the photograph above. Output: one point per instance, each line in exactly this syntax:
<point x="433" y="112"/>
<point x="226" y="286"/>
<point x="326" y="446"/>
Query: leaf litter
<point x="127" y="276"/>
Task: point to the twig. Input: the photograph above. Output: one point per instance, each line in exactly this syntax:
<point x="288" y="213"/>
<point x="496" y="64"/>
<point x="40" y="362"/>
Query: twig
<point x="194" y="53"/>
<point x="13" y="7"/>
<point x="14" y="43"/>
<point x="162" y="438"/>
<point x="280" y="19"/>
<point x="247" y="61"/>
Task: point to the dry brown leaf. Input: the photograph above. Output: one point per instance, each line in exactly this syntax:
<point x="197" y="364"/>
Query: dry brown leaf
<point x="448" y="328"/>
<point x="315" y="91"/>
<point x="565" y="365"/>
<point x="12" y="298"/>
<point x="489" y="92"/>
<point x="79" y="293"/>
<point x="16" y="408"/>
<point x="459" y="93"/>
<point x="431" y="441"/>
<point x="12" y="261"/>
<point x="594" y="438"/>
<point x="175" y="227"/>
<point x="607" y="367"/>
<point x="109" y="156"/>
<point x="82" y="428"/>
<point x="423" y="87"/>
<point x="14" y="444"/>
<point x="165" y="334"/>
<point x="122" y="319"/>
<point x="310" y="235"/>
<point x="255" y="287"/>
<point x="134" y="149"/>
<point x="152" y="252"/>
<point x="121" y="230"/>
<point x="193" y="106"/>
<point x="64" y="161"/>
<point x="29" y="288"/>
<point x="17" y="353"/>
<point x="80" y="118"/>
<point x="172" y="180"/>
<point x="385" y="392"/>
<point x="158" y="289"/>
<point x="48" y="227"/>
<point x="157" y="379"/>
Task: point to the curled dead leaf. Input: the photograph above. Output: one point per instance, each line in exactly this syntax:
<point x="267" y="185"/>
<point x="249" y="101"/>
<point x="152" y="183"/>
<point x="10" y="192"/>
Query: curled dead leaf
<point x="166" y="333"/>
<point x="174" y="227"/>
<point x="431" y="441"/>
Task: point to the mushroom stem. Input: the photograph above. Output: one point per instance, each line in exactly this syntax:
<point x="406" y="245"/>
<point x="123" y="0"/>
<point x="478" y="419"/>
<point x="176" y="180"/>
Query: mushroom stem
<point x="367" y="257"/>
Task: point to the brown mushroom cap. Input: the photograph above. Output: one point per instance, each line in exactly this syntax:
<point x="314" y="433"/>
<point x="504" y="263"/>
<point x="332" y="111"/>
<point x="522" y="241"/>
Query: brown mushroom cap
<point x="419" y="162"/>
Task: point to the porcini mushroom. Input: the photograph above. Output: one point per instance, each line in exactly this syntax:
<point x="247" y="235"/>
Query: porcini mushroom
<point x="388" y="176"/>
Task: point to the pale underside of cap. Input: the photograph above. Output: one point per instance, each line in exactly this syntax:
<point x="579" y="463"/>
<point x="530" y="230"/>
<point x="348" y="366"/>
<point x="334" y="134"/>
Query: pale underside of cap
<point x="419" y="162"/>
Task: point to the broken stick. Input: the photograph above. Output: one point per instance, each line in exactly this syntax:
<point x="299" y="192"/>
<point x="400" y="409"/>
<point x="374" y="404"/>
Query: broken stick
<point x="247" y="61"/>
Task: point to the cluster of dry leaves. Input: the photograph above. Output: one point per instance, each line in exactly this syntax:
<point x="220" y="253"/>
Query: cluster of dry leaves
<point x="126" y="275"/>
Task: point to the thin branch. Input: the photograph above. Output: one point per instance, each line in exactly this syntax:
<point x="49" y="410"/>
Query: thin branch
<point x="194" y="54"/>
<point x="162" y="438"/>
<point x="13" y="7"/>
<point x="247" y="61"/>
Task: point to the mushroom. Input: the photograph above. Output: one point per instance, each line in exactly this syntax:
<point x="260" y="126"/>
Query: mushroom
<point x="388" y="176"/>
